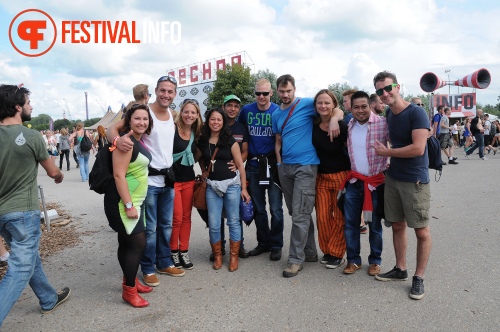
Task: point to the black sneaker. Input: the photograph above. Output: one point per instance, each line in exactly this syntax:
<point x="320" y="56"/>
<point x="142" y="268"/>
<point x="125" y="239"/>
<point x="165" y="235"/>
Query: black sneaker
<point x="61" y="297"/>
<point x="325" y="258"/>
<point x="212" y="254"/>
<point x="394" y="274"/>
<point x="242" y="253"/>
<point x="258" y="250"/>
<point x="185" y="261"/>
<point x="453" y="162"/>
<point x="417" y="288"/>
<point x="275" y="254"/>
<point x="334" y="262"/>
<point x="176" y="258"/>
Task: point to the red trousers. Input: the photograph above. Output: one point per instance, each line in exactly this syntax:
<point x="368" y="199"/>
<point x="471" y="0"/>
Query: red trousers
<point x="181" y="222"/>
<point x="329" y="218"/>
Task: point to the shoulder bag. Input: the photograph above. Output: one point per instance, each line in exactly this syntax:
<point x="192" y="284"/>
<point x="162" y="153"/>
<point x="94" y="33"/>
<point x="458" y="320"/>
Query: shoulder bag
<point x="200" y="188"/>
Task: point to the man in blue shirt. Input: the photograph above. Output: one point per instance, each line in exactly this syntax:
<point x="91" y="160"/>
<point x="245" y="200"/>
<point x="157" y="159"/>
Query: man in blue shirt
<point x="257" y="117"/>
<point x="297" y="168"/>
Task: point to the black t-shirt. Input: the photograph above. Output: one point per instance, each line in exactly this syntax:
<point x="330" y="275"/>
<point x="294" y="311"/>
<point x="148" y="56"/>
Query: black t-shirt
<point x="473" y="126"/>
<point x="332" y="155"/>
<point x="220" y="170"/>
<point x="182" y="173"/>
<point x="240" y="133"/>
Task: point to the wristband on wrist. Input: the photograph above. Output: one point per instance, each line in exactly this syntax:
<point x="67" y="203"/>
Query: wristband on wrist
<point x="114" y="140"/>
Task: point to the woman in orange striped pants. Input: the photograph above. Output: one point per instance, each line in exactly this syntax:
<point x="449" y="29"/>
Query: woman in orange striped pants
<point x="334" y="166"/>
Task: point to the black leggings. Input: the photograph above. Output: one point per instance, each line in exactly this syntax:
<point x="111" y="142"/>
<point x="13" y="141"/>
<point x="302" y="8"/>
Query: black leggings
<point x="75" y="157"/>
<point x="130" y="250"/>
<point x="61" y="157"/>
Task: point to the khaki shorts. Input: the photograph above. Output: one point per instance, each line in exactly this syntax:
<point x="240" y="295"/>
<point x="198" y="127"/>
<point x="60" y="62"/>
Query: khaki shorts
<point x="407" y="201"/>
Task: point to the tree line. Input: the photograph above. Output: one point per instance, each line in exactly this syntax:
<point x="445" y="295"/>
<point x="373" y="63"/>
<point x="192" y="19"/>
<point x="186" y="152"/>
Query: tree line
<point x="42" y="122"/>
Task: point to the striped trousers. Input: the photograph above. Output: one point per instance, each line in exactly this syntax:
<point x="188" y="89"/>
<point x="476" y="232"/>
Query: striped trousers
<point x="329" y="218"/>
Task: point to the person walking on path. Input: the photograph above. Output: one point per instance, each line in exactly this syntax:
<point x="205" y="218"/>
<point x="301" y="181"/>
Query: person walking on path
<point x="22" y="150"/>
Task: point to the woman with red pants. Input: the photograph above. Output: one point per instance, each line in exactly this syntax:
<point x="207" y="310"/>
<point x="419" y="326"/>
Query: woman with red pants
<point x="188" y="128"/>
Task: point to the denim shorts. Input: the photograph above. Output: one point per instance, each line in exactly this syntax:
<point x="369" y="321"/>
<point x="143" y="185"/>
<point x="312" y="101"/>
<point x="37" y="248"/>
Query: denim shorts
<point x="407" y="201"/>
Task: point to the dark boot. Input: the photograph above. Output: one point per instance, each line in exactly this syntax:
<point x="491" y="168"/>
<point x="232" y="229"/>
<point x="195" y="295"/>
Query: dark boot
<point x="233" y="258"/>
<point x="140" y="287"/>
<point x="131" y="296"/>
<point x="217" y="251"/>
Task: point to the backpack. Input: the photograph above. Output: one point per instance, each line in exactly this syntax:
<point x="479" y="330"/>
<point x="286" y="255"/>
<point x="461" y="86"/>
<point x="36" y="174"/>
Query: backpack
<point x="434" y="154"/>
<point x="493" y="129"/>
<point x="101" y="175"/>
<point x="85" y="143"/>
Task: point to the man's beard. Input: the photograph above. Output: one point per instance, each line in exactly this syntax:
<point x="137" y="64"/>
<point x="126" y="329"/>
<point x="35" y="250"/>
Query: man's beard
<point x="25" y="117"/>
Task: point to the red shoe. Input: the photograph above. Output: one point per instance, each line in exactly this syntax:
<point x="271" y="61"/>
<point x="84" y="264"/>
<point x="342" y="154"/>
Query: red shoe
<point x="131" y="296"/>
<point x="140" y="287"/>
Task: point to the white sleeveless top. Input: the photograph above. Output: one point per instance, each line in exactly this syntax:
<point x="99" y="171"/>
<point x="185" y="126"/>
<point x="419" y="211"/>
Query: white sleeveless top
<point x="161" y="145"/>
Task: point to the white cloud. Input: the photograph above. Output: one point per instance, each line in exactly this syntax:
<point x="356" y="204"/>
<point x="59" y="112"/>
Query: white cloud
<point x="319" y="42"/>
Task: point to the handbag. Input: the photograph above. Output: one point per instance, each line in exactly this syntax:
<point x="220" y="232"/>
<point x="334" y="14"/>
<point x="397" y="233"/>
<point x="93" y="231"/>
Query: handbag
<point x="200" y="188"/>
<point x="246" y="212"/>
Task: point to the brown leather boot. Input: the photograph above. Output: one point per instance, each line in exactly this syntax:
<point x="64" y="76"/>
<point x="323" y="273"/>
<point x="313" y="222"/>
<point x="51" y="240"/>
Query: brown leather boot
<point x="233" y="258"/>
<point x="131" y="296"/>
<point x="217" y="251"/>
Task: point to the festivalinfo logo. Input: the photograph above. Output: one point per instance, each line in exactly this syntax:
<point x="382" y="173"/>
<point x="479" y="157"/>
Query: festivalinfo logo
<point x="33" y="32"/>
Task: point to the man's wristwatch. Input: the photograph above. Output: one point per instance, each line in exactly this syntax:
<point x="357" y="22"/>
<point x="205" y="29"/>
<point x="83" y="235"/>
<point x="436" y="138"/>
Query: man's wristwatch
<point x="128" y="206"/>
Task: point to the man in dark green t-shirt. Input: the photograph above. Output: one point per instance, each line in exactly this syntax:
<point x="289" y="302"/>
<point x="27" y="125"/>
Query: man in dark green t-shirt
<point x="22" y="150"/>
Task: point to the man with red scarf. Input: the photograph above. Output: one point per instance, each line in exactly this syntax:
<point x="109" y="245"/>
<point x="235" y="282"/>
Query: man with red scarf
<point x="364" y="130"/>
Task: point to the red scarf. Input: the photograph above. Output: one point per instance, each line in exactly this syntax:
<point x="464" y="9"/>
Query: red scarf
<point x="374" y="181"/>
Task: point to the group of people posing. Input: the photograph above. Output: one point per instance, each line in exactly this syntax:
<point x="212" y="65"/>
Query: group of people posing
<point x="303" y="150"/>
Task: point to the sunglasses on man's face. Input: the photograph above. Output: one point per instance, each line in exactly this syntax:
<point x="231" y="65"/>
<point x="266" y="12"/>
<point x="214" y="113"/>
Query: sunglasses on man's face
<point x="167" y="78"/>
<point x="421" y="105"/>
<point x="387" y="88"/>
<point x="265" y="94"/>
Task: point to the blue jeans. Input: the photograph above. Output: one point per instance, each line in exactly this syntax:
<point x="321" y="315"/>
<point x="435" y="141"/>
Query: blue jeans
<point x="479" y="144"/>
<point x="21" y="231"/>
<point x="299" y="189"/>
<point x="159" y="204"/>
<point x="269" y="237"/>
<point x="231" y="204"/>
<point x="83" y="160"/>
<point x="352" y="212"/>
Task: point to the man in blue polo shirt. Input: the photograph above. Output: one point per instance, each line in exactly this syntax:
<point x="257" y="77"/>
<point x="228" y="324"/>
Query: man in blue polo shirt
<point x="261" y="163"/>
<point x="297" y="168"/>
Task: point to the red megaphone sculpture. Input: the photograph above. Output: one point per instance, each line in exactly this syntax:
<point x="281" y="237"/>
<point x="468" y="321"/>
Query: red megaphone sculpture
<point x="480" y="79"/>
<point x="430" y="82"/>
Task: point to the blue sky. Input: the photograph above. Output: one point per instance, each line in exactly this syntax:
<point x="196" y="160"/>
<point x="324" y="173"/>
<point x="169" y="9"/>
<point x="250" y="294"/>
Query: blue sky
<point x="320" y="42"/>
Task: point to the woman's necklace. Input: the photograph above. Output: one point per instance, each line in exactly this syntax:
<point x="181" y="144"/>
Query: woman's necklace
<point x="212" y="160"/>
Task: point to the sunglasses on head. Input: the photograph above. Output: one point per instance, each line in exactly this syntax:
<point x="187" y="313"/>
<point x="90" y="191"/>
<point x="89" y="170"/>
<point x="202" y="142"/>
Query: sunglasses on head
<point x="167" y="78"/>
<point x="187" y="100"/>
<point x="265" y="94"/>
<point x="387" y="88"/>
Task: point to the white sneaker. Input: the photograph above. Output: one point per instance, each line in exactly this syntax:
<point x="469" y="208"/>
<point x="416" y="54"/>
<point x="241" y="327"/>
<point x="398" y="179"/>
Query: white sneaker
<point x="484" y="158"/>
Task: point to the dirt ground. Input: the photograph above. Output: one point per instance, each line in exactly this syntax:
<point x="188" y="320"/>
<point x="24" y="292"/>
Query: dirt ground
<point x="57" y="239"/>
